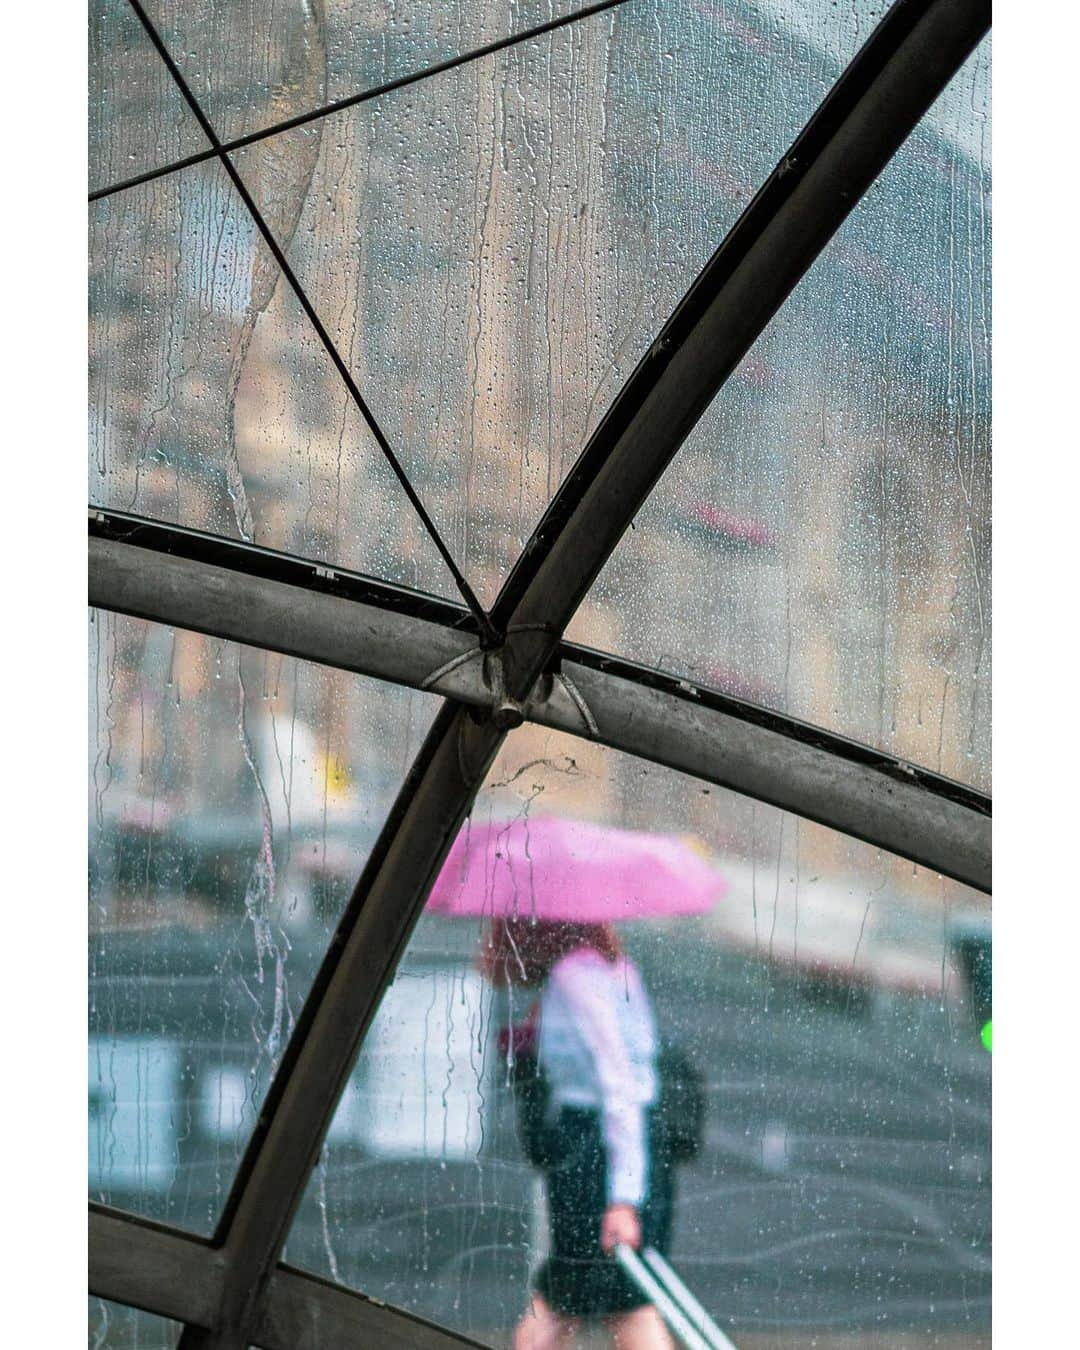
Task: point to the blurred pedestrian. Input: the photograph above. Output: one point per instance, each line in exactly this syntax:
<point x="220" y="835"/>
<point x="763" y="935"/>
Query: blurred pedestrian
<point x="597" y="1049"/>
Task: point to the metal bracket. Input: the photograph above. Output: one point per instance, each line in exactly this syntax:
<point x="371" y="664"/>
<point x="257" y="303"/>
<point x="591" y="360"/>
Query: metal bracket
<point x="490" y="697"/>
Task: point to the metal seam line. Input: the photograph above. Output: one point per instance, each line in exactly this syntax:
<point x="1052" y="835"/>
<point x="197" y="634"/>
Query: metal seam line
<point x="431" y="681"/>
<point x="488" y="634"/>
<point x="341" y="104"/>
<point x="891" y="83"/>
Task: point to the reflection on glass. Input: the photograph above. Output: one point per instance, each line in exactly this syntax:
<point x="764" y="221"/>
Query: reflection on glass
<point x="821" y="543"/>
<point x="234" y="796"/>
<point x="112" y="1326"/>
<point x="829" y="996"/>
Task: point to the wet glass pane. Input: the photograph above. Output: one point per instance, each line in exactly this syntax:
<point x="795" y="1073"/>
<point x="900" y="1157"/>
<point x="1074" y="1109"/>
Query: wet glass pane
<point x="234" y="796"/>
<point x="138" y="119"/>
<point x="212" y="403"/>
<point x="832" y="1002"/>
<point x="113" y="1326"/>
<point x="254" y="63"/>
<point x="821" y="543"/>
<point x="495" y="247"/>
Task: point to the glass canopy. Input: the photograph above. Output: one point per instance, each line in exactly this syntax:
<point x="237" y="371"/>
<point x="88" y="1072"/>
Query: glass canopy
<point x="505" y="413"/>
<point x="821" y="542"/>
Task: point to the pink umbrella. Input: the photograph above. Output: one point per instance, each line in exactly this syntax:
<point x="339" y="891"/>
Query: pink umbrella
<point x="571" y="871"/>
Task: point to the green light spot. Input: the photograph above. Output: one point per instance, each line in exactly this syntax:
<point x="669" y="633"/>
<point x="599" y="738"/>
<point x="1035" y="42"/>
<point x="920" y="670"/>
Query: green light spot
<point x="985" y="1035"/>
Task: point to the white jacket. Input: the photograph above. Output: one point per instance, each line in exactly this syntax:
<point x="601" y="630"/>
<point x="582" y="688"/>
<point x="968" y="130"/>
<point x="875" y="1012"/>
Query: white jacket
<point x="598" y="1050"/>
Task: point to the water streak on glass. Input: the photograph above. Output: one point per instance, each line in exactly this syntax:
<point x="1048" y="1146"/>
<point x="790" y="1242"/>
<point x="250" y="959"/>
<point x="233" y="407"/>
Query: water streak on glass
<point x="821" y="543"/>
<point x="234" y="796"/>
<point x="113" y="1326"/>
<point x="254" y="63"/>
<point x="832" y="1000"/>
<point x="494" y="248"/>
<point x="212" y="402"/>
<point x="138" y="119"/>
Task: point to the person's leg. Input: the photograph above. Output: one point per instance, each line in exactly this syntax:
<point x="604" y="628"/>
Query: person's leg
<point x="541" y="1328"/>
<point x="640" y="1329"/>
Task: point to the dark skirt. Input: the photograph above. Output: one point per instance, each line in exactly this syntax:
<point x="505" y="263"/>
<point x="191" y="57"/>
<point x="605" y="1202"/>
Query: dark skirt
<point x="577" y="1279"/>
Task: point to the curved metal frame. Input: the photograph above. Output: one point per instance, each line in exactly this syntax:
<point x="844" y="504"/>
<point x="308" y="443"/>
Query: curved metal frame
<point x="171" y="1273"/>
<point x="411" y="639"/>
<point x="231" y="1290"/>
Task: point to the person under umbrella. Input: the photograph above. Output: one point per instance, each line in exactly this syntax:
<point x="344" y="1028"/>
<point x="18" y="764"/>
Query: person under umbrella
<point x="596" y="1045"/>
<point x="551" y="888"/>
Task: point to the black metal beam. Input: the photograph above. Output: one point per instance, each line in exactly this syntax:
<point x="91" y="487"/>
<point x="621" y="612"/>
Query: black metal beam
<point x="174" y="1274"/>
<point x="151" y="588"/>
<point x="762" y="754"/>
<point x="281" y="616"/>
<point x="149" y="1266"/>
<point x="882" y="805"/>
<point x="301" y="1312"/>
<point x="254" y="560"/>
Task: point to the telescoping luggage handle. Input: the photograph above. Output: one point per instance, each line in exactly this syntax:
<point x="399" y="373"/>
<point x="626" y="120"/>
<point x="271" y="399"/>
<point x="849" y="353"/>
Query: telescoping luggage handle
<point x="672" y="1299"/>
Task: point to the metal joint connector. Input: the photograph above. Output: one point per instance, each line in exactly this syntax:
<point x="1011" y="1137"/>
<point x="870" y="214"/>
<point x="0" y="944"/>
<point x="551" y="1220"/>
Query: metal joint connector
<point x="506" y="712"/>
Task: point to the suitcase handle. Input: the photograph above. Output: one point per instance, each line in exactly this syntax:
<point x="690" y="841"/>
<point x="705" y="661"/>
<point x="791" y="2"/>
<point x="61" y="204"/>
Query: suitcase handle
<point x="673" y="1301"/>
<point x="663" y="1271"/>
